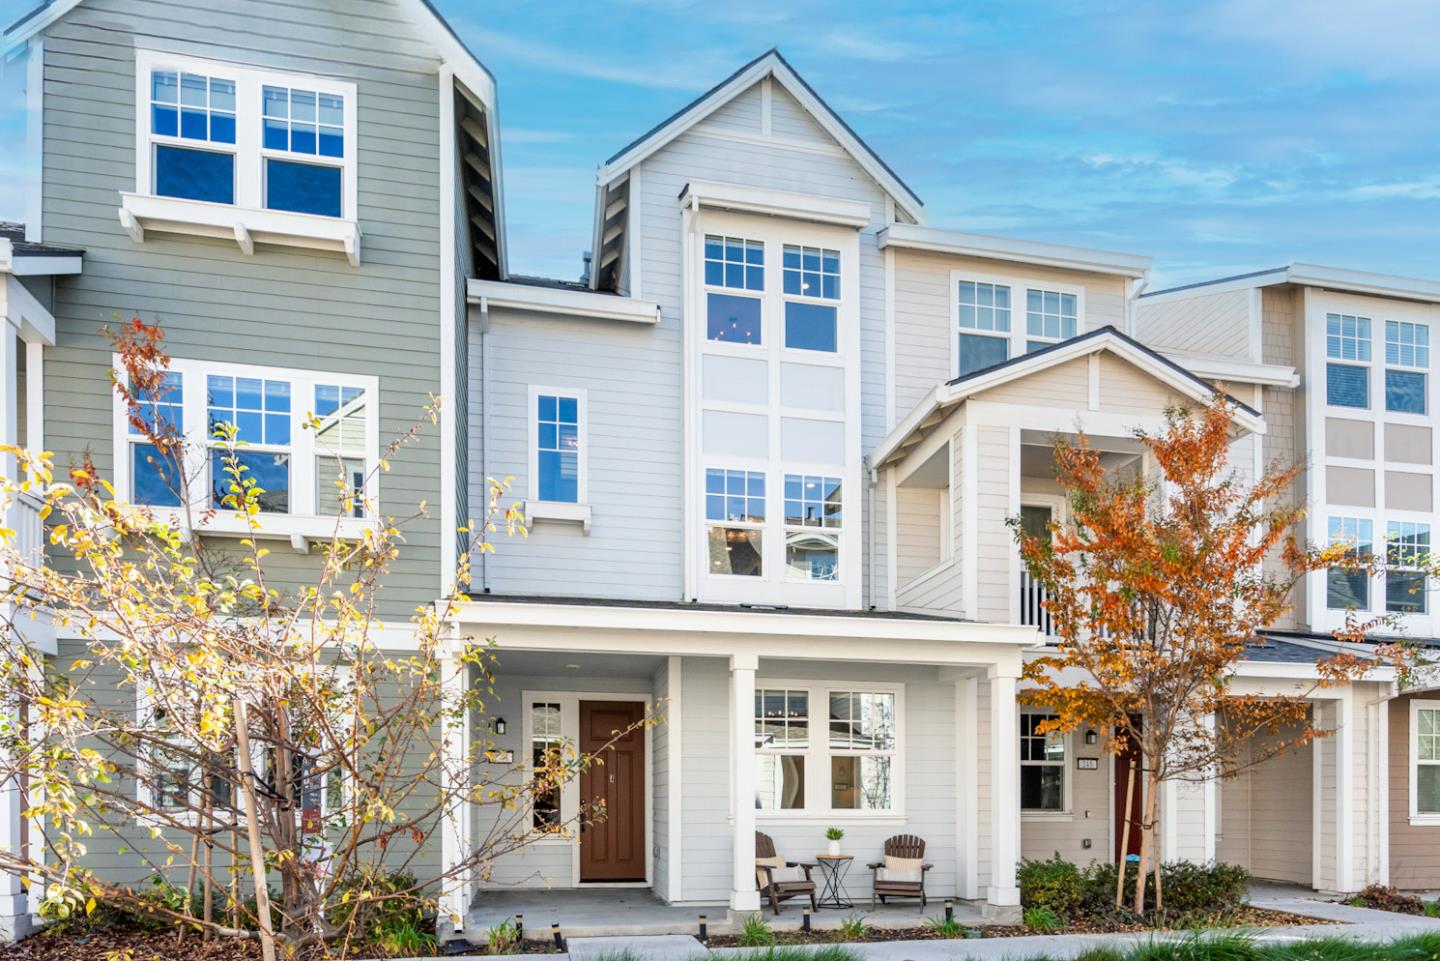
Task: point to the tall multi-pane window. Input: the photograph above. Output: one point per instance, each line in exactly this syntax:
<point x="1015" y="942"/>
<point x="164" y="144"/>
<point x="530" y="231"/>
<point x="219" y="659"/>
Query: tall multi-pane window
<point x="1347" y="347"/>
<point x="157" y="476"/>
<point x="557" y="448"/>
<point x="812" y="294"/>
<point x="862" y="746"/>
<point x="192" y="132"/>
<point x="303" y="141"/>
<point x="1050" y="316"/>
<point x="1425" y="757"/>
<point x="1407" y="555"/>
<point x="735" y="284"/>
<point x="782" y="736"/>
<point x="256" y="412"/>
<point x="546" y="743"/>
<point x="735" y="520"/>
<point x="1349" y="586"/>
<point x="984" y="321"/>
<point x="1042" y="765"/>
<point x="812" y="527"/>
<point x="1407" y="359"/>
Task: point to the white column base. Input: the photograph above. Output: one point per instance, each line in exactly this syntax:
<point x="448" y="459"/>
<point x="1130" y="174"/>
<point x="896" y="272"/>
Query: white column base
<point x="744" y="902"/>
<point x="1002" y="905"/>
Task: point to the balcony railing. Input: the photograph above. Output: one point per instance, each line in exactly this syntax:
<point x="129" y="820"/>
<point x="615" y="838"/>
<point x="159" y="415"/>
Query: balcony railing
<point x="23" y="518"/>
<point x="1032" y="604"/>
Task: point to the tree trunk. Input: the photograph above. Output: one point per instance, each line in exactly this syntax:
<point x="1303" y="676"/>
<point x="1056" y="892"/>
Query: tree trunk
<point x="1147" y="838"/>
<point x="1125" y="836"/>
<point x="252" y="831"/>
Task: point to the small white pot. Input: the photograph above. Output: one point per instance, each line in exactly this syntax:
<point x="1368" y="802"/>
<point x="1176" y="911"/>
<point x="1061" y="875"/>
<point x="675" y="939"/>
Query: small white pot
<point x="834" y="849"/>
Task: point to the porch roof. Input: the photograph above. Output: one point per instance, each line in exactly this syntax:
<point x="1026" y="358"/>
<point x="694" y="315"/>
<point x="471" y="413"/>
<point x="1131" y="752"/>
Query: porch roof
<point x="871" y="613"/>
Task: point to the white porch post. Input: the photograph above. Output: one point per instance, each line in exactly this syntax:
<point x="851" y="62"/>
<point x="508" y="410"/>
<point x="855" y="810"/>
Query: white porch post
<point x="1003" y="896"/>
<point x="455" y="839"/>
<point x="1345" y="791"/>
<point x="9" y="399"/>
<point x="14" y="900"/>
<point x="744" y="897"/>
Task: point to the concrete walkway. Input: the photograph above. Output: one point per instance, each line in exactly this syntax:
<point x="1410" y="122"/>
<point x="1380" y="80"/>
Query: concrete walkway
<point x="1358" y="924"/>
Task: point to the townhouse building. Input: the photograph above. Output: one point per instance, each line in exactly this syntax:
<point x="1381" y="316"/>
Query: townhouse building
<point x="767" y="446"/>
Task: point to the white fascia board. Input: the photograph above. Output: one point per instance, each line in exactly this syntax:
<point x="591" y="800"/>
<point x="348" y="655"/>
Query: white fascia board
<point x="908" y="424"/>
<point x="1382" y="673"/>
<point x="1365" y="282"/>
<point x="45" y="265"/>
<point x="754" y="622"/>
<point x="913" y="237"/>
<point x="37" y="24"/>
<point x="1204" y="288"/>
<point x="777" y="203"/>
<point x="1235" y="371"/>
<point x="571" y="303"/>
<point x="769" y="65"/>
<point x="28" y="315"/>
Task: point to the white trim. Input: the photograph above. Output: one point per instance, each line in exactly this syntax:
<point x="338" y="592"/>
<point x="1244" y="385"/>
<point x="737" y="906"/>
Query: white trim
<point x="538" y="510"/>
<point x="24" y="312"/>
<point x="767" y="99"/>
<point x="559" y="510"/>
<point x="634" y="234"/>
<point x="967" y="775"/>
<point x="30" y="265"/>
<point x="141" y="212"/>
<point x="569" y="702"/>
<point x="890" y="322"/>
<point x="1341" y="279"/>
<point x="1382" y="737"/>
<point x="1067" y="781"/>
<point x="34" y="139"/>
<point x="35" y="395"/>
<point x="770" y="65"/>
<point x="1235" y="371"/>
<point x="304" y="520"/>
<point x="739" y="198"/>
<point x="1417" y="818"/>
<point x="934" y="239"/>
<point x="567" y="304"/>
<point x="818" y="753"/>
<point x="1344" y="790"/>
<point x="675" y="779"/>
<point x="449" y="348"/>
<point x="1017" y="338"/>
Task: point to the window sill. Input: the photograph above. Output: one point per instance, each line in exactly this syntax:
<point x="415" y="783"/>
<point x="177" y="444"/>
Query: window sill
<point x="1047" y="816"/>
<point x="557" y="511"/>
<point x="1425" y="820"/>
<point x="247" y="227"/>
<point x="300" y="530"/>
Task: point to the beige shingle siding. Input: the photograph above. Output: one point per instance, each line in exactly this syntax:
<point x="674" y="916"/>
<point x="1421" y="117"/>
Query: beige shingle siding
<point x="1283" y="444"/>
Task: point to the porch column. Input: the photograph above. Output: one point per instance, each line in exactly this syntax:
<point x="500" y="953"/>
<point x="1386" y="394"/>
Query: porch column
<point x="455" y="765"/>
<point x="14" y="900"/>
<point x="744" y="897"/>
<point x="9" y="399"/>
<point x="1002" y="899"/>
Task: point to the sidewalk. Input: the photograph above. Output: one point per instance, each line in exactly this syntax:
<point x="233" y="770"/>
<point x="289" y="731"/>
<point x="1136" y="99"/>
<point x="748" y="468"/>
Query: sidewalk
<point x="1358" y="924"/>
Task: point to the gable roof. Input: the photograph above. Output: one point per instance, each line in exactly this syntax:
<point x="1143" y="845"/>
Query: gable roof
<point x="1309" y="275"/>
<point x="1106" y="338"/>
<point x="466" y="65"/>
<point x="772" y="64"/>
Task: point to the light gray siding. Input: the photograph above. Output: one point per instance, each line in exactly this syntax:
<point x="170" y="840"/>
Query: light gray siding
<point x="1213" y="324"/>
<point x="280" y="307"/>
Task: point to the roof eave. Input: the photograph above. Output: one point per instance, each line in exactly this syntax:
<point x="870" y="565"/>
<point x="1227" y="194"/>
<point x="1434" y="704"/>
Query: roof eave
<point x="958" y="243"/>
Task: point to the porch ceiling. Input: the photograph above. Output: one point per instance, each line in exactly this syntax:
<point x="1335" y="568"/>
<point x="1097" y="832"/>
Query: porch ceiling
<point x="575" y="664"/>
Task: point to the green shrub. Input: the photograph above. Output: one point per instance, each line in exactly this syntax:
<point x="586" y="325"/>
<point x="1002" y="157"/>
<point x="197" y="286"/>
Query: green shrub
<point x="1198" y="894"/>
<point x="1055" y="885"/>
<point x="1431" y="909"/>
<point x="1195" y="895"/>
<point x="382" y="907"/>
<point x="853" y="928"/>
<point x="503" y="937"/>
<point x="945" y="927"/>
<point x="1042" y="921"/>
<point x="756" y="933"/>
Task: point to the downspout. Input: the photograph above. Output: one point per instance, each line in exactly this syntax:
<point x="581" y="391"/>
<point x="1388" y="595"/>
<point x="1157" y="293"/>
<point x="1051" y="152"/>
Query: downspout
<point x="1133" y="289"/>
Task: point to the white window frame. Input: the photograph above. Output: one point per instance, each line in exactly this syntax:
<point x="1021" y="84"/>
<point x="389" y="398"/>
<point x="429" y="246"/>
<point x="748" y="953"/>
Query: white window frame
<point x="248" y="214"/>
<point x="1371" y="593"/>
<point x="1067" y="781"/>
<point x="304" y="522"/>
<point x="1042" y="290"/>
<point x="1016" y="337"/>
<point x="1386" y="365"/>
<point x="763" y="527"/>
<point x="787" y="529"/>
<point x="1390" y="540"/>
<point x="817" y="756"/>
<point x="579" y="510"/>
<point x="1417" y="818"/>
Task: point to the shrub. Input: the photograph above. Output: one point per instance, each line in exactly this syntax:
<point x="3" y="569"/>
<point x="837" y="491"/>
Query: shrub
<point x="1055" y="885"/>
<point x="1042" y="921"/>
<point x="944" y="927"/>
<point x="756" y="933"/>
<point x="853" y="928"/>
<point x="1381" y="898"/>
<point x="383" y="907"/>
<point x="501" y="938"/>
<point x="1197" y="894"/>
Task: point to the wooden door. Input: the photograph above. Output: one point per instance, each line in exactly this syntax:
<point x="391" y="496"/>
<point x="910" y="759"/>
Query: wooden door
<point x="1126" y="761"/>
<point x="613" y="849"/>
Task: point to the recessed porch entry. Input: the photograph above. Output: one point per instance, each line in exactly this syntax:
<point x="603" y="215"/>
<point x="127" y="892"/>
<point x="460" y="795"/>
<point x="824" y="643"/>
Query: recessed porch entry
<point x="612" y="847"/>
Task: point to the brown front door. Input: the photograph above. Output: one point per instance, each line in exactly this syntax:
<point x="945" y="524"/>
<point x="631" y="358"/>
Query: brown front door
<point x="613" y="848"/>
<point x="1126" y="761"/>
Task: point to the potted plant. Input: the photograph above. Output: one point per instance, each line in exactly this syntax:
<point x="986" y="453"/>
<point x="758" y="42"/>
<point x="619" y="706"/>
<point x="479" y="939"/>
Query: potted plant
<point x="834" y="835"/>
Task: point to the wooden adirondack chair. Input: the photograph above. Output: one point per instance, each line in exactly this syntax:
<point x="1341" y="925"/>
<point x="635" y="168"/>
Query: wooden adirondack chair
<point x="904" y="881"/>
<point x="780" y="883"/>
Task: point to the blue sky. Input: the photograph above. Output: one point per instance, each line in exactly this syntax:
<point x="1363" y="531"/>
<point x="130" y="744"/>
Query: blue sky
<point x="1216" y="137"/>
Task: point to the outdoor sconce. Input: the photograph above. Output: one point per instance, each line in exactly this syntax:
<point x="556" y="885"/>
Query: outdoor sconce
<point x="499" y="727"/>
<point x="1091" y="738"/>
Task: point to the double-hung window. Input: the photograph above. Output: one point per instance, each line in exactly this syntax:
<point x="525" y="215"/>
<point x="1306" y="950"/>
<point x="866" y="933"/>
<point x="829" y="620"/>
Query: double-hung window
<point x="254" y="411"/>
<point x="812" y="295"/>
<point x="862" y="748"/>
<point x="340" y="445"/>
<point x="984" y="320"/>
<point x="782" y="737"/>
<point x="1050" y="316"/>
<point x="1407" y="361"/>
<point x="1425" y="760"/>
<point x="157" y="474"/>
<point x="236" y="135"/>
<point x="1347" y="370"/>
<point x="812" y="527"/>
<point x="1349" y="587"/>
<point x="558" y="447"/>
<point x="1042" y="765"/>
<point x="1407" y="554"/>
<point x="735" y="286"/>
<point x="735" y="521"/>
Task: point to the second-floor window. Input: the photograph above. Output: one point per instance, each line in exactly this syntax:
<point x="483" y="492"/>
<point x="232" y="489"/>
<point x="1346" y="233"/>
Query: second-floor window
<point x="1050" y="316"/>
<point x="735" y="287"/>
<point x="1347" y="371"/>
<point x="735" y="521"/>
<point x="1407" y="554"/>
<point x="1407" y="359"/>
<point x="1350" y="587"/>
<point x="984" y="325"/>
<point x="256" y="411"/>
<point x="227" y="134"/>
<point x="812" y="295"/>
<point x="559" y="454"/>
<point x="812" y="527"/>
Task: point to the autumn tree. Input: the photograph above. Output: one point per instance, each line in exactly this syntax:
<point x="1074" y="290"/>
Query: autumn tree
<point x="244" y="738"/>
<point x="1155" y="582"/>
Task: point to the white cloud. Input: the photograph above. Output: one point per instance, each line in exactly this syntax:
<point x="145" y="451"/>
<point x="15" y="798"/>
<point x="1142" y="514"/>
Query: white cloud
<point x="845" y="43"/>
<point x="1175" y="171"/>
